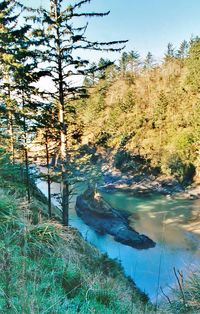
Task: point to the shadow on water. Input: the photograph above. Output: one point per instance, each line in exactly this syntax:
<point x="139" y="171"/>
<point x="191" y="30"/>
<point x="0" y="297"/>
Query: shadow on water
<point x="173" y="224"/>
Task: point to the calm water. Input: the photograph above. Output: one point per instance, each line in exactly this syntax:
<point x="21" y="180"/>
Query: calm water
<point x="174" y="225"/>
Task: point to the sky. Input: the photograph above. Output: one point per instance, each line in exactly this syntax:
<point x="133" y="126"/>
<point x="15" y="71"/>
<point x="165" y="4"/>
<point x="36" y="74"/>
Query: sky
<point x="149" y="25"/>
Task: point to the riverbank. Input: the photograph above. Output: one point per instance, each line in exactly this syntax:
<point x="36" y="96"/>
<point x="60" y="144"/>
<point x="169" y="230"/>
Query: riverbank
<point x="49" y="268"/>
<point x="139" y="179"/>
<point x="142" y="183"/>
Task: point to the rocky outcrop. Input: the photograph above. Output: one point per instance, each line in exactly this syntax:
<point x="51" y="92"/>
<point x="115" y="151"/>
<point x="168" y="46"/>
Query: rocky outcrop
<point x="140" y="184"/>
<point x="104" y="219"/>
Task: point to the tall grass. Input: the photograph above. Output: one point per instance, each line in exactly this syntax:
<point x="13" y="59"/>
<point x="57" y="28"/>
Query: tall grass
<point x="186" y="299"/>
<point x="46" y="268"/>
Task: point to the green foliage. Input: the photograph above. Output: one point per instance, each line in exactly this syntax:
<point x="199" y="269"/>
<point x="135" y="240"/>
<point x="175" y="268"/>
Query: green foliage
<point x="103" y="296"/>
<point x="127" y="103"/>
<point x="160" y="112"/>
<point x="7" y="212"/>
<point x="193" y="64"/>
<point x="46" y="234"/>
<point x="183" y="50"/>
<point x="125" y="161"/>
<point x="11" y="174"/>
<point x="174" y="165"/>
<point x="106" y="266"/>
<point x="71" y="281"/>
<point x="190" y="303"/>
<point x="170" y="54"/>
<point x="103" y="138"/>
<point x="46" y="268"/>
<point x="122" y="160"/>
<point x="184" y="144"/>
<point x="152" y="112"/>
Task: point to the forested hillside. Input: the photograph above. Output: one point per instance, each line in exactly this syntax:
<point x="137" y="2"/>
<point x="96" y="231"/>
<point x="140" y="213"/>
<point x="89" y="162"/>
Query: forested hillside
<point x="150" y="111"/>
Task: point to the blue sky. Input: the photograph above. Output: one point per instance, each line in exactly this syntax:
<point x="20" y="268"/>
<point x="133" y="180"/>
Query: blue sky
<point x="149" y="25"/>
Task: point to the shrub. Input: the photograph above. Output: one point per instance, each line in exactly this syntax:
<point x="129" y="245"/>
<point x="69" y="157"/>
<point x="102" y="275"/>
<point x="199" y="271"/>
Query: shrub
<point x="174" y="165"/>
<point x="125" y="161"/>
<point x="103" y="296"/>
<point x="103" y="138"/>
<point x="71" y="282"/>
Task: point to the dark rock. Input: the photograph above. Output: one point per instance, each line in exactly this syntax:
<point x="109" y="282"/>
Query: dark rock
<point x="140" y="185"/>
<point x="104" y="219"/>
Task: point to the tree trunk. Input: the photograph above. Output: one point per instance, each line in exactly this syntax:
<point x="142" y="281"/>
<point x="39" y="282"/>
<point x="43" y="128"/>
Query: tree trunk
<point x="11" y="134"/>
<point x="65" y="197"/>
<point x="64" y="182"/>
<point x="63" y="128"/>
<point x="9" y="115"/>
<point x="26" y="154"/>
<point x="48" y="175"/>
<point x="27" y="175"/>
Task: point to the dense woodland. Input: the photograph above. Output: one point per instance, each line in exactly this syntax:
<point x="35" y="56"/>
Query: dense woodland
<point x="143" y="114"/>
<point x="142" y="110"/>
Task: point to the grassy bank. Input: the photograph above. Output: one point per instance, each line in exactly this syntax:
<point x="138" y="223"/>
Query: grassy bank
<point x="46" y="268"/>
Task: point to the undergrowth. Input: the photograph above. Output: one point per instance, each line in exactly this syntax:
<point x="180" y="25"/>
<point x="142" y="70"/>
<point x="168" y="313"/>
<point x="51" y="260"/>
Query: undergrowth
<point x="47" y="268"/>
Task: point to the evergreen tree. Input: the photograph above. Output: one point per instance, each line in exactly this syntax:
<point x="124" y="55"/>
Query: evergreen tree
<point x="149" y="61"/>
<point x="19" y="65"/>
<point x="123" y="62"/>
<point x="171" y="53"/>
<point x="183" y="50"/>
<point x="193" y="64"/>
<point x="10" y="40"/>
<point x="133" y="60"/>
<point x="63" y="40"/>
<point x="102" y="67"/>
<point x="129" y="61"/>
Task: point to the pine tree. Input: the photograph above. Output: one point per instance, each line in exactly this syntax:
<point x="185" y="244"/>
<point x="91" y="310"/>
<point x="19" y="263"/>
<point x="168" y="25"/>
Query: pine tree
<point x="102" y="67"/>
<point x="133" y="60"/>
<point x="193" y="64"/>
<point x="149" y="61"/>
<point x="63" y="40"/>
<point x="183" y="50"/>
<point x="123" y="62"/>
<point x="171" y="53"/>
<point x="19" y="71"/>
<point x="10" y="37"/>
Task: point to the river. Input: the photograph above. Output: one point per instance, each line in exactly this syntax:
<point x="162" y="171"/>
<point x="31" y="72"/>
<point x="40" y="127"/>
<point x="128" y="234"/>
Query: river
<point x="174" y="224"/>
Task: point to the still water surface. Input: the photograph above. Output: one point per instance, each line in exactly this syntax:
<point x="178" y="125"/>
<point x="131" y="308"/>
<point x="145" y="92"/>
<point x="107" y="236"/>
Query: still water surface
<point x="174" y="224"/>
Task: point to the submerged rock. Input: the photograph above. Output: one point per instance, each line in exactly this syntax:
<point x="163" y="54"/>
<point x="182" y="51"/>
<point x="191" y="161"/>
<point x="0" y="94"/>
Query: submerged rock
<point x="104" y="219"/>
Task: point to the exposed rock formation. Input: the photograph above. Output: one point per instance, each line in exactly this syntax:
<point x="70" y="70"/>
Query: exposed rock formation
<point x="104" y="219"/>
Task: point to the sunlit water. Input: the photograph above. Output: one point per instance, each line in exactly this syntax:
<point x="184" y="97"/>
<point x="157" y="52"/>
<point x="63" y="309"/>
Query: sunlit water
<point x="174" y="225"/>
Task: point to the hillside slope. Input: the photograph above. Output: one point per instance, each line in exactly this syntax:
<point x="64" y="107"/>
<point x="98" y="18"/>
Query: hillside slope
<point x="47" y="268"/>
<point x="152" y="113"/>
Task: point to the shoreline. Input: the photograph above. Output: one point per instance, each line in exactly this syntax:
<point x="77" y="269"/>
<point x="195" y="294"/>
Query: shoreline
<point x="146" y="185"/>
